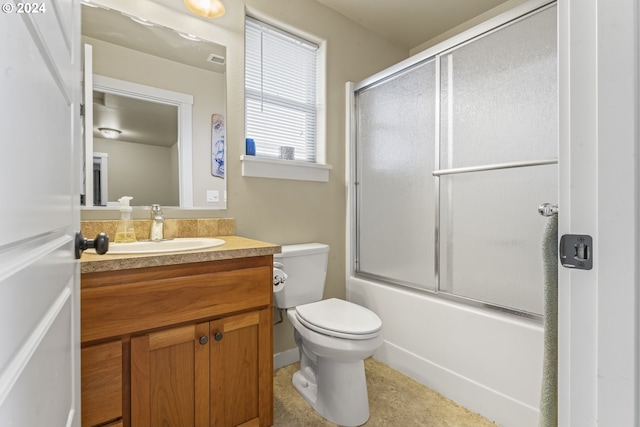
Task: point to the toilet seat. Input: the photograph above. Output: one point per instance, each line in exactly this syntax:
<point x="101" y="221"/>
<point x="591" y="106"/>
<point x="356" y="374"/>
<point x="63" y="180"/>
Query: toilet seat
<point x="339" y="318"/>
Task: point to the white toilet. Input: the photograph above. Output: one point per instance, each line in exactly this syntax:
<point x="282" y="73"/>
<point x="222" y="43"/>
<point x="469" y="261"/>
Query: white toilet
<point x="333" y="336"/>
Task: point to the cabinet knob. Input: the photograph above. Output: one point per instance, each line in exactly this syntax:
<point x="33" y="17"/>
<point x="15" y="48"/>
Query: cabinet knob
<point x="203" y="340"/>
<point x="218" y="336"/>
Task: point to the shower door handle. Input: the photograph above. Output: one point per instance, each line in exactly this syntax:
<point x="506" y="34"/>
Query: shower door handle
<point x="576" y="251"/>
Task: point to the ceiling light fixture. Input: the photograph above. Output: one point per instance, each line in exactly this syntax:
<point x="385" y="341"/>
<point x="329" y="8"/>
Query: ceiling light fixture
<point x="110" y="133"/>
<point x="205" y="8"/>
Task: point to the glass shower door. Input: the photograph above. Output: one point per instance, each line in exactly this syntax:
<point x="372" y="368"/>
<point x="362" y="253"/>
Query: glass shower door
<point x="498" y="140"/>
<point x="395" y="191"/>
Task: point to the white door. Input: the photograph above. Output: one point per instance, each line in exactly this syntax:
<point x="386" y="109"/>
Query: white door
<point x="599" y="195"/>
<point x="39" y="213"/>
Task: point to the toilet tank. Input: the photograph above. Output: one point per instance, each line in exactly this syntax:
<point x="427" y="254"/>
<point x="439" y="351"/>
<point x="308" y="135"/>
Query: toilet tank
<point x="306" y="269"/>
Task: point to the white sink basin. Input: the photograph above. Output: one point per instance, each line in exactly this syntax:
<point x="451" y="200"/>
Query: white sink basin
<point x="173" y="245"/>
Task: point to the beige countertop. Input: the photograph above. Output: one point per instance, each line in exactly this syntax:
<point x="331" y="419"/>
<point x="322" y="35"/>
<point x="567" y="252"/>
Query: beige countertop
<point x="235" y="247"/>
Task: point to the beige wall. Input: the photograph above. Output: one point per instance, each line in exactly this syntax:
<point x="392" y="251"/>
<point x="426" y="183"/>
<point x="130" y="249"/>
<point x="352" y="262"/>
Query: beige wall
<point x="509" y="4"/>
<point x="130" y="162"/>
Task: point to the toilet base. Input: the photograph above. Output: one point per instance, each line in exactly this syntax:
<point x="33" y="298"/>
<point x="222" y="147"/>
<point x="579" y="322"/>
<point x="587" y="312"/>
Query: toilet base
<point x="336" y="390"/>
<point x="331" y="376"/>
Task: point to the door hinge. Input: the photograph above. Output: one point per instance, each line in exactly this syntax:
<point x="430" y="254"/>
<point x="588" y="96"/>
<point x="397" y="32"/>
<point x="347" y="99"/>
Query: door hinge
<point x="576" y="251"/>
<point x="81" y="110"/>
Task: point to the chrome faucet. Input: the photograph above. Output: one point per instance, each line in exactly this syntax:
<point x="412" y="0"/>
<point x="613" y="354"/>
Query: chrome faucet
<point x="156" y="228"/>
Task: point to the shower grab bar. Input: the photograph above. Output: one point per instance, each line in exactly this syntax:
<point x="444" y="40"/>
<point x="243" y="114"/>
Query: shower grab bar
<point x="495" y="167"/>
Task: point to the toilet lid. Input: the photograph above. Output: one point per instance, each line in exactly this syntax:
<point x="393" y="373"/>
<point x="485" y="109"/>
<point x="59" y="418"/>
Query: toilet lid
<point x="339" y="318"/>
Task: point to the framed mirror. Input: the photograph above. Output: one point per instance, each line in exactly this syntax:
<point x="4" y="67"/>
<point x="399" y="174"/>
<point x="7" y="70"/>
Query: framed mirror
<point x="160" y="95"/>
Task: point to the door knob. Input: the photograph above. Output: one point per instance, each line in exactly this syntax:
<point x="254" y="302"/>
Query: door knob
<point x="203" y="340"/>
<point x="218" y="336"/>
<point x="100" y="244"/>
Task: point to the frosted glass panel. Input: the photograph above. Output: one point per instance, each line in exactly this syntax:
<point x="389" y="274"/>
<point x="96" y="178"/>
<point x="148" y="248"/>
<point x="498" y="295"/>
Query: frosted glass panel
<point x="499" y="95"/>
<point x="498" y="104"/>
<point x="491" y="235"/>
<point x="395" y="191"/>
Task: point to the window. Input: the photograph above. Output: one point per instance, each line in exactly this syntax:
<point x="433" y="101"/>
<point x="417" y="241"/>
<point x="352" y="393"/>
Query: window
<point x="281" y="80"/>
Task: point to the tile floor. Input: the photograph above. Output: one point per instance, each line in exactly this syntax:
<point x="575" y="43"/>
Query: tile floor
<point x="394" y="400"/>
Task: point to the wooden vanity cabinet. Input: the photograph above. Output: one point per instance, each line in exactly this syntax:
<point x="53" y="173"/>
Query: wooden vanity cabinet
<point x="195" y="340"/>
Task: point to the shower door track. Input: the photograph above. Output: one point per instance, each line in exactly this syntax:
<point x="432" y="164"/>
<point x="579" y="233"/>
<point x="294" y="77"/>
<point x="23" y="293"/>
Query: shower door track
<point x="496" y="166"/>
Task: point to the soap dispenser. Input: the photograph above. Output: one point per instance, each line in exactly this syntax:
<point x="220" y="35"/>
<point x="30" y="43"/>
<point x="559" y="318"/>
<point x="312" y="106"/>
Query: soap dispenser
<point x="126" y="233"/>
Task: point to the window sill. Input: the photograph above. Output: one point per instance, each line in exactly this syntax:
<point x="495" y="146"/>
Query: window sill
<point x="261" y="167"/>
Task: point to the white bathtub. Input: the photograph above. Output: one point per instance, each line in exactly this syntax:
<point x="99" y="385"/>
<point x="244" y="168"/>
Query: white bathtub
<point x="488" y="362"/>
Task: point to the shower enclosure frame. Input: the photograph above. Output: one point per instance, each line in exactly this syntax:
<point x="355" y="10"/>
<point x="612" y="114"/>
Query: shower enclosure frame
<point x="433" y="54"/>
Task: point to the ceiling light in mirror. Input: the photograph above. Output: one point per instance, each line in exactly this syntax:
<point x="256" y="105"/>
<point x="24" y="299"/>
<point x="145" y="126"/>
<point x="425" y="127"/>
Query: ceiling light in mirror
<point x="110" y="133"/>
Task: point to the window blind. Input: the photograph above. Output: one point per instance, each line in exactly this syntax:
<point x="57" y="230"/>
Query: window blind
<point x="280" y="91"/>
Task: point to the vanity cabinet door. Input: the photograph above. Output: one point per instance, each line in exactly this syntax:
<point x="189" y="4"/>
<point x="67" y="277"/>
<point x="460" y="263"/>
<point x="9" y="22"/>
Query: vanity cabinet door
<point x="170" y="377"/>
<point x="242" y="370"/>
<point x="101" y="377"/>
<point x="217" y="374"/>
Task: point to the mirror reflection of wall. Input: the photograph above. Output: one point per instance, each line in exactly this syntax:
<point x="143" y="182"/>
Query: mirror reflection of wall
<point x="156" y="56"/>
<point x="144" y="150"/>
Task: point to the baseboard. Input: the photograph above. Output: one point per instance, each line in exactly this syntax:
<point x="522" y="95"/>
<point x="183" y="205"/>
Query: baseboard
<point x="493" y="405"/>
<point x="285" y="358"/>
